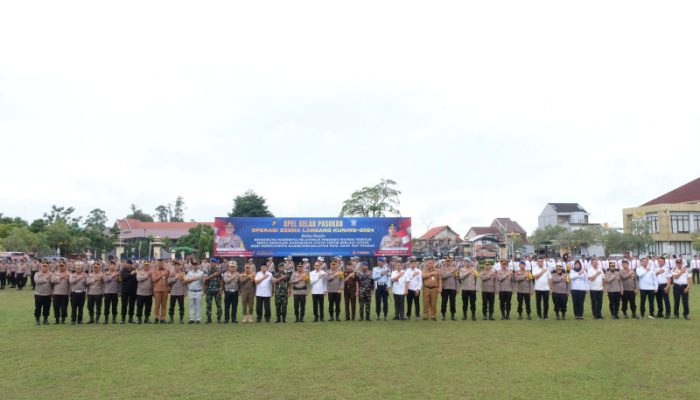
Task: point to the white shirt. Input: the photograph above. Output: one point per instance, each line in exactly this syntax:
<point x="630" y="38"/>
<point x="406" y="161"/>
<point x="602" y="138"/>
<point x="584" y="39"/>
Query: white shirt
<point x="682" y="279"/>
<point x="318" y="282"/>
<point x="398" y="286"/>
<point x="647" y="279"/>
<point x="542" y="283"/>
<point x="661" y="278"/>
<point x="695" y="264"/>
<point x="196" y="285"/>
<point x="579" y="280"/>
<point x="597" y="282"/>
<point x="414" y="278"/>
<point x="264" y="288"/>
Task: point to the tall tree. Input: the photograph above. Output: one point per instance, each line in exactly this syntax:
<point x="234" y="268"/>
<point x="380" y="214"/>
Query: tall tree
<point x="178" y="213"/>
<point x="200" y="238"/>
<point x="250" y="205"/>
<point x="638" y="237"/>
<point x="162" y="213"/>
<point x="23" y="239"/>
<point x="137" y="213"/>
<point x="373" y="201"/>
<point x="62" y="214"/>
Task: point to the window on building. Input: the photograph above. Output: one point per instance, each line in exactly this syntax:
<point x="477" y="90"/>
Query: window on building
<point x="681" y="248"/>
<point x="680" y="223"/>
<point x="656" y="249"/>
<point x="653" y="221"/>
<point x="697" y="223"/>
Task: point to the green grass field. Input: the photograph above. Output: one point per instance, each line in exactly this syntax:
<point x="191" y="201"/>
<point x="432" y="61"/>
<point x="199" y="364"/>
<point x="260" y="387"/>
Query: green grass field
<point x="625" y="359"/>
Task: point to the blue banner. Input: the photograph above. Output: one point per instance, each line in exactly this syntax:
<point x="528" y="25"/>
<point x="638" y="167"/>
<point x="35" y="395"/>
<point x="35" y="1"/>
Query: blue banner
<point x="279" y="237"/>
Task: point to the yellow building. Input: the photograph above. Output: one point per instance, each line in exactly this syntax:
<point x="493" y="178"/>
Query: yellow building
<point x="673" y="218"/>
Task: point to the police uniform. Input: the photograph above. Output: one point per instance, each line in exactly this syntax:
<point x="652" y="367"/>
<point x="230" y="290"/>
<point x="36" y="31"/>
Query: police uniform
<point x="77" y="295"/>
<point x="231" y="293"/>
<point x="613" y="285"/>
<point x="178" y="288"/>
<point x="60" y="293"/>
<point x="467" y="282"/>
<point x="681" y="287"/>
<point x="95" y="291"/>
<point x="127" y="278"/>
<point x="488" y="290"/>
<point x="298" y="282"/>
<point x="381" y="276"/>
<point x="42" y="295"/>
<point x="449" y="290"/>
<point x="3" y="274"/>
<point x="334" y="285"/>
<point x="523" y="287"/>
<point x="504" y="283"/>
<point x="560" y="292"/>
<point x="629" y="288"/>
<point x="144" y="295"/>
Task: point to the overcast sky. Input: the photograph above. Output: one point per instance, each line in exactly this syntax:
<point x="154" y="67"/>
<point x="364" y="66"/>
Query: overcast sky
<point x="477" y="109"/>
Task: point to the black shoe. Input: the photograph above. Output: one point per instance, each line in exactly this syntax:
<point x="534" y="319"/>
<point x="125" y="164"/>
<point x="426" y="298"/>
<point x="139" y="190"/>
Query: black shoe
<point x="156" y="321"/>
<point x="452" y="318"/>
<point x="138" y="320"/>
<point x="667" y="317"/>
<point x="443" y="317"/>
<point x="473" y="317"/>
<point x="520" y="316"/>
<point x="46" y="321"/>
<point x="556" y="316"/>
<point x="191" y="322"/>
<point x="90" y="322"/>
<point x="198" y="322"/>
<point x="37" y="322"/>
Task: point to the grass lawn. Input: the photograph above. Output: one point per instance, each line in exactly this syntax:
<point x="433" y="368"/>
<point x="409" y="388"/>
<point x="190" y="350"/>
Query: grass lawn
<point x="625" y="359"/>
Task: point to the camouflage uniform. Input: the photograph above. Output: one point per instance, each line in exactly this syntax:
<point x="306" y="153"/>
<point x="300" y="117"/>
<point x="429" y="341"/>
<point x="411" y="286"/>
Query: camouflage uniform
<point x="366" y="287"/>
<point x="213" y="291"/>
<point x="281" y="295"/>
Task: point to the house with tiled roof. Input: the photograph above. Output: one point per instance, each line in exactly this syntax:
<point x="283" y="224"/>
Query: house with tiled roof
<point x="673" y="219"/>
<point x="438" y="240"/>
<point x="569" y="215"/>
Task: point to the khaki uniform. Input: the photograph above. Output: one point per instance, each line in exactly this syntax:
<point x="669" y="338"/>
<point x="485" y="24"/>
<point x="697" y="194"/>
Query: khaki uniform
<point x="431" y="284"/>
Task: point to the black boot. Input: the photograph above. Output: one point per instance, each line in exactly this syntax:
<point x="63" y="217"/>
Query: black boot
<point x="37" y="321"/>
<point x="337" y="316"/>
<point x="520" y="315"/>
<point x="443" y="317"/>
<point x="123" y="320"/>
<point x="131" y="319"/>
<point x="138" y="320"/>
<point x="46" y="321"/>
<point x="170" y="320"/>
<point x="485" y="317"/>
<point x="284" y="318"/>
<point x="473" y="316"/>
<point x="278" y="319"/>
<point x="114" y="319"/>
<point x="330" y="319"/>
<point x="208" y="320"/>
<point x="491" y="317"/>
<point x="563" y="316"/>
<point x="146" y="321"/>
<point x="452" y="318"/>
<point x="464" y="315"/>
<point x="556" y="315"/>
<point x="106" y="320"/>
<point x="97" y="321"/>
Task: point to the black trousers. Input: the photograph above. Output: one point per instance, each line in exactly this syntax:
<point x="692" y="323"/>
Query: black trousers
<point x="111" y="300"/>
<point x="42" y="305"/>
<point x="141" y="303"/>
<point x="300" y="306"/>
<point x="644" y="295"/>
<point x="128" y="302"/>
<point x="334" y="304"/>
<point x="3" y="280"/>
<point x="11" y="279"/>
<point x="21" y="280"/>
<point x="60" y="307"/>
<point x="413" y="297"/>
<point x="31" y="279"/>
<point x="487" y="301"/>
<point x="77" y="301"/>
<point x="663" y="301"/>
<point x="451" y="296"/>
<point x="597" y="303"/>
<point x="180" y="301"/>
<point x="351" y="304"/>
<point x="382" y="300"/>
<point x="504" y="300"/>
<point x="542" y="303"/>
<point x="578" y="297"/>
<point x="318" y="305"/>
<point x="629" y="298"/>
<point x="468" y="301"/>
<point x="523" y="298"/>
<point x="398" y="302"/>
<point x="94" y="300"/>
<point x="260" y="304"/>
<point x="614" y="300"/>
<point x="679" y="296"/>
<point x="230" y="306"/>
<point x="696" y="276"/>
<point x="560" y="300"/>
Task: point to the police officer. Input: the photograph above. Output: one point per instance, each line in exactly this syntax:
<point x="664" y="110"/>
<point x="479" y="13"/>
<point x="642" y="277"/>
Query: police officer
<point x="488" y="291"/>
<point x="504" y="284"/>
<point x="96" y="288"/>
<point x="231" y="292"/>
<point x="144" y="293"/>
<point x="77" y="294"/>
<point x="613" y="284"/>
<point x="213" y="288"/>
<point x="523" y="283"/>
<point x="629" y="289"/>
<point x="42" y="294"/>
<point x="298" y="282"/>
<point x="280" y="281"/>
<point x="334" y="286"/>
<point x="681" y="287"/>
<point x="111" y="291"/>
<point x="467" y="283"/>
<point x="448" y="274"/>
<point x="560" y="291"/>
<point x="61" y="291"/>
<point x="178" y="288"/>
